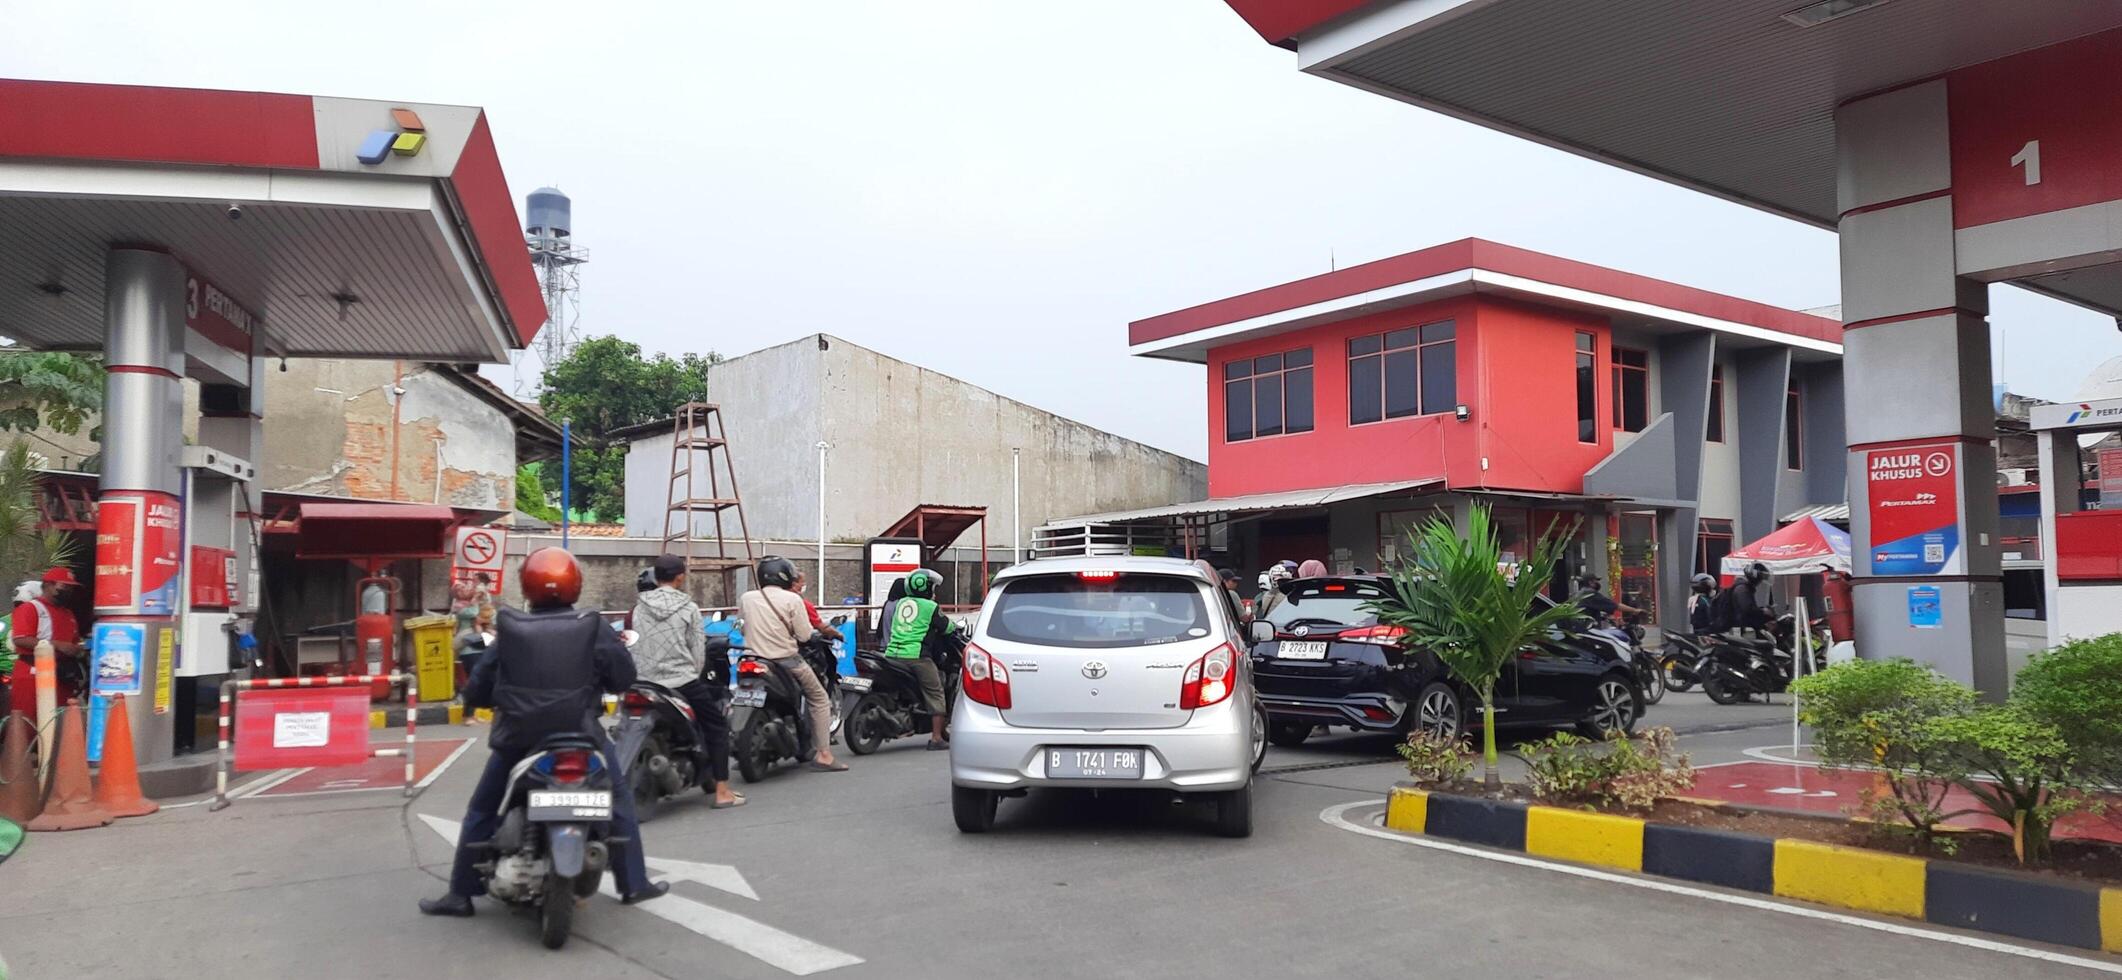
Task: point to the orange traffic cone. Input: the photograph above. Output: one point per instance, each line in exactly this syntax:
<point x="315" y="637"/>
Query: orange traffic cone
<point x="69" y="805"/>
<point x="118" y="783"/>
<point x="19" y="799"/>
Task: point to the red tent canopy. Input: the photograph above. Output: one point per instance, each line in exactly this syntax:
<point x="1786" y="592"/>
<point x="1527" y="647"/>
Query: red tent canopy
<point x="1800" y="548"/>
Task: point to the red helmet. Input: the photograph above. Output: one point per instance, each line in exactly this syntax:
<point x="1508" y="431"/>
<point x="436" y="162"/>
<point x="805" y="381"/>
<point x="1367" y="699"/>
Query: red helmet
<point x="551" y="577"/>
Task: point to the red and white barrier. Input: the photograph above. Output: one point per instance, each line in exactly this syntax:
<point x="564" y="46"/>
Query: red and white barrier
<point x="307" y="721"/>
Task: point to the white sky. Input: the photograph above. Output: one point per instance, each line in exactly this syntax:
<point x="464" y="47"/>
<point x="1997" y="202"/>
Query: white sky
<point x="991" y="189"/>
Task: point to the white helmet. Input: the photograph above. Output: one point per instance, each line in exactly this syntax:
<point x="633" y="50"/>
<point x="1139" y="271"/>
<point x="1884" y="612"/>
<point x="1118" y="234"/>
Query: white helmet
<point x="28" y="590"/>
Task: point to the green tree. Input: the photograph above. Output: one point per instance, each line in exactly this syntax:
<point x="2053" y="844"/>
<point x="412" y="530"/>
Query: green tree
<point x="531" y="495"/>
<point x="604" y="385"/>
<point x="1453" y="598"/>
<point x="49" y="388"/>
<point x="1885" y="713"/>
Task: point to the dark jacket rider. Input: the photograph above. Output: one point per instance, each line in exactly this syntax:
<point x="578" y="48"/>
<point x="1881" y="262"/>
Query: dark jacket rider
<point x="545" y="676"/>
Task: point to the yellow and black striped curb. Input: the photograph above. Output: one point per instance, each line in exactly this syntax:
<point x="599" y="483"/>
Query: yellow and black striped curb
<point x="2007" y="903"/>
<point x="430" y="714"/>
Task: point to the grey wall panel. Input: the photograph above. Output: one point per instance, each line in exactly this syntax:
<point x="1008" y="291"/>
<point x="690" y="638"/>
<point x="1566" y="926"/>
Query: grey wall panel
<point x="1825" y="459"/>
<point x="1757" y="386"/>
<point x="1642" y="469"/>
<point x="1918" y="378"/>
<point x="1898" y="260"/>
<point x="1892" y="145"/>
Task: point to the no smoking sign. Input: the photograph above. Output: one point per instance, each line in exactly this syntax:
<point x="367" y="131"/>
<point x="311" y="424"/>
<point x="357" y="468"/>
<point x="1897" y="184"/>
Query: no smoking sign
<point x="480" y="551"/>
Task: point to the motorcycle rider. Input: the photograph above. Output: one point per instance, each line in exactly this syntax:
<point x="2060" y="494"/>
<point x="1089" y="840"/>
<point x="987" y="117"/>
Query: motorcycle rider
<point x="1748" y="608"/>
<point x="1702" y="607"/>
<point x="1596" y="604"/>
<point x="544" y="677"/>
<point x="776" y="626"/>
<point x="672" y="651"/>
<point x="1271" y="590"/>
<point x="917" y="629"/>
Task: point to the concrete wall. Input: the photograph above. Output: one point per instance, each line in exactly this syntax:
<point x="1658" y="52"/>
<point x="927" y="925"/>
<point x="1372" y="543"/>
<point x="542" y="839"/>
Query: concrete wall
<point x="769" y="402"/>
<point x="1720" y="460"/>
<point x="901" y="435"/>
<point x="328" y="430"/>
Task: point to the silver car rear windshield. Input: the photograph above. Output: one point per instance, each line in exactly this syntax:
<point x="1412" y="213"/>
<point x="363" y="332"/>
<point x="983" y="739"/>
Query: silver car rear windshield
<point x="1122" y="611"/>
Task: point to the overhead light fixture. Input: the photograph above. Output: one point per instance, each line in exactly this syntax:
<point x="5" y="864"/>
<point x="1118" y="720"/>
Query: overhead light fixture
<point x="1814" y="15"/>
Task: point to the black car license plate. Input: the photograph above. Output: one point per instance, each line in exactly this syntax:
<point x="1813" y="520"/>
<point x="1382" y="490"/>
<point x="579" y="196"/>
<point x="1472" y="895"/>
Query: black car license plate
<point x="1093" y="762"/>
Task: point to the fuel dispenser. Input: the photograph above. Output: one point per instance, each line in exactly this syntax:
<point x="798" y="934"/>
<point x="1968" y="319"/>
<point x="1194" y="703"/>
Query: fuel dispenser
<point x="218" y="584"/>
<point x="2083" y="574"/>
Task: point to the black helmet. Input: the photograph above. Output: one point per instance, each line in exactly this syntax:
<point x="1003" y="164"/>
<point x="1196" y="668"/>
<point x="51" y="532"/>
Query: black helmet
<point x="776" y="570"/>
<point x="921" y="583"/>
<point x="1756" y="572"/>
<point x="1705" y="581"/>
<point x="1589" y="581"/>
<point x="646" y="581"/>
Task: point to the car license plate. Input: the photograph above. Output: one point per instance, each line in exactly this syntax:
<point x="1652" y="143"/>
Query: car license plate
<point x="748" y="697"/>
<point x="547" y="804"/>
<point x="1301" y="650"/>
<point x="1078" y="762"/>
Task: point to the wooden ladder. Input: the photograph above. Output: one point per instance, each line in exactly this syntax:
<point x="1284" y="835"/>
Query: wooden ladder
<point x="698" y="428"/>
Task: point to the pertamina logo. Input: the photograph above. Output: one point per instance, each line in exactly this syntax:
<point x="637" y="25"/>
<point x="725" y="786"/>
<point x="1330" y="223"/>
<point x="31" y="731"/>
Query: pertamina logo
<point x="406" y="140"/>
<point x="2086" y="412"/>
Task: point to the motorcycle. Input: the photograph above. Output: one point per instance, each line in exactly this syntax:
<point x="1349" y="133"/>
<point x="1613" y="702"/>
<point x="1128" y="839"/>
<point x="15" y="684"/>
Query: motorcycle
<point x="889" y="705"/>
<point x="659" y="737"/>
<point x="1648" y="670"/>
<point x="1681" y="660"/>
<point x="767" y="714"/>
<point x="554" y="842"/>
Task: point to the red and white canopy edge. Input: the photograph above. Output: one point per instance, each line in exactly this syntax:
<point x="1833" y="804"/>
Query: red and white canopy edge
<point x="1801" y="548"/>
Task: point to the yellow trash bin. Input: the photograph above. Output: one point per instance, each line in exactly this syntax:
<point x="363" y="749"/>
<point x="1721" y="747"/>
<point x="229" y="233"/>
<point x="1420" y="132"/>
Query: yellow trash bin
<point x="434" y="656"/>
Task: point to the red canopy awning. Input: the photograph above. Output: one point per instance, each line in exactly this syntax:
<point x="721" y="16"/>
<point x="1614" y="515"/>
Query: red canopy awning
<point x="1799" y="548"/>
<point x="381" y="531"/>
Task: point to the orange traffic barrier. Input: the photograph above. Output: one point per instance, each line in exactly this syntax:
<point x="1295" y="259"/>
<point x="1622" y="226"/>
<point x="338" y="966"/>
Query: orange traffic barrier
<point x="19" y="799"/>
<point x="70" y="805"/>
<point x="118" y="783"/>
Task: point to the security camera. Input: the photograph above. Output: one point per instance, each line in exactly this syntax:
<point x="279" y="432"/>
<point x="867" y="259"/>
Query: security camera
<point x="235" y="212"/>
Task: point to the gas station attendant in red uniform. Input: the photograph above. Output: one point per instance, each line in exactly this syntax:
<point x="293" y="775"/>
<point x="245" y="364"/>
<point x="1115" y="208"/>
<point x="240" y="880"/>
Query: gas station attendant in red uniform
<point x="43" y="618"/>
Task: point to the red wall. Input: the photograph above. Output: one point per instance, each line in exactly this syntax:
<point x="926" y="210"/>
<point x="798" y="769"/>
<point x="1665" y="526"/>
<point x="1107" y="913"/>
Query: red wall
<point x="1517" y="376"/>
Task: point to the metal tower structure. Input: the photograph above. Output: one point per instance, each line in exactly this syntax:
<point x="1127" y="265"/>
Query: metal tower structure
<point x="549" y="234"/>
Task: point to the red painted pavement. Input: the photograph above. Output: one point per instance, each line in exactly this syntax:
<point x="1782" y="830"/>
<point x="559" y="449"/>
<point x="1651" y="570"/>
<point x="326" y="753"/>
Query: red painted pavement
<point x="1806" y="789"/>
<point x="387" y="772"/>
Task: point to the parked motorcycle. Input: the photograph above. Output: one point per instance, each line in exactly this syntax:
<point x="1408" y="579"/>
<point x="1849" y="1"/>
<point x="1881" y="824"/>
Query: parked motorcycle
<point x="1681" y="660"/>
<point x="1648" y="670"/>
<point x="659" y="739"/>
<point x="1738" y="665"/>
<point x="767" y="715"/>
<point x="554" y="841"/>
<point x="889" y="704"/>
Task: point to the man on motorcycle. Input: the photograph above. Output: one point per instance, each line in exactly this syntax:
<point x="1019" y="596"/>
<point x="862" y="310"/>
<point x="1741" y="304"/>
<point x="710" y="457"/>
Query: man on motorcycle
<point x="1748" y="610"/>
<point x="918" y="628"/>
<point x="672" y="651"/>
<point x="544" y="677"/>
<point x="1702" y="608"/>
<point x="776" y="626"/>
<point x="1597" y="604"/>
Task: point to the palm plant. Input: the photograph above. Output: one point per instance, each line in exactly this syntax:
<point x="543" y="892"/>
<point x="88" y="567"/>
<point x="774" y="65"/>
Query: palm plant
<point x="25" y="549"/>
<point x="1454" y="598"/>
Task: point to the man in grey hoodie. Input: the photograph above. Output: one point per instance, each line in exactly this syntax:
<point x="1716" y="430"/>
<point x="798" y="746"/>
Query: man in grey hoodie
<point x="672" y="651"/>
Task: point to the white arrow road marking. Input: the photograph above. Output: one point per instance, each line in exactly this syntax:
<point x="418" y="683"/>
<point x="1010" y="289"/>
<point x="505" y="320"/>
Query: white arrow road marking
<point x="717" y="876"/>
<point x="782" y="950"/>
<point x="1800" y="791"/>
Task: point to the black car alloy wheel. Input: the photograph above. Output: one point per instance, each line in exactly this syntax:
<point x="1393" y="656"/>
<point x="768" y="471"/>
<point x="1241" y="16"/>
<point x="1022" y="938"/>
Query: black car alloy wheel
<point x="1614" y="707"/>
<point x="1438" y="711"/>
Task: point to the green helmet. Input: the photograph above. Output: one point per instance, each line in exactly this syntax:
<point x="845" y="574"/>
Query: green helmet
<point x="921" y="583"/>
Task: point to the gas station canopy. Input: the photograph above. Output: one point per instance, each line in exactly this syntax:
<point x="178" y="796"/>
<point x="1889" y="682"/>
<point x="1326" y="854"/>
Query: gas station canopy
<point x="1735" y="98"/>
<point x="311" y="226"/>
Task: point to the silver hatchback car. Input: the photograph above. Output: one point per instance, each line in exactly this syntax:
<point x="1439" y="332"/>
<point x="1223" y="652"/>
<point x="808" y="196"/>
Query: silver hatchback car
<point x="1106" y="673"/>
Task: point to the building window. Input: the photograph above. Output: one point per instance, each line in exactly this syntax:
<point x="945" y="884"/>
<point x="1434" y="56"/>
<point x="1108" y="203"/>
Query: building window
<point x="1267" y="396"/>
<point x="1714" y="539"/>
<point x="1716" y="404"/>
<point x="1793" y="430"/>
<point x="1587" y="388"/>
<point x="1631" y="389"/>
<point x="1413" y="371"/>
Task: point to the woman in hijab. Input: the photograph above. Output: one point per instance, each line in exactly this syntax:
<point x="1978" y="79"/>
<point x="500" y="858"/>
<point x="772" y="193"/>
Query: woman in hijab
<point x="1312" y="568"/>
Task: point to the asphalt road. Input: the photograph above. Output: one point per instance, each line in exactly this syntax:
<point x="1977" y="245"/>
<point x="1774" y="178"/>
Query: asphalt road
<point x="866" y="865"/>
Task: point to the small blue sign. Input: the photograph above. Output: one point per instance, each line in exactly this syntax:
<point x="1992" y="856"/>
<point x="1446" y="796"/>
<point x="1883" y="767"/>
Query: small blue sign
<point x="1926" y="610"/>
<point x="116" y="651"/>
<point x="99" y="709"/>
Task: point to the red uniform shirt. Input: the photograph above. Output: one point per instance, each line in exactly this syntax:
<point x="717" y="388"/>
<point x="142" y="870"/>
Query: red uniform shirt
<point x="22" y="693"/>
<point x="812" y="612"/>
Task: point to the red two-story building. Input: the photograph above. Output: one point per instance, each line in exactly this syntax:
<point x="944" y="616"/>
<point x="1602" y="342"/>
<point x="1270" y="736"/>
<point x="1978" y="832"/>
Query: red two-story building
<point x="1664" y="422"/>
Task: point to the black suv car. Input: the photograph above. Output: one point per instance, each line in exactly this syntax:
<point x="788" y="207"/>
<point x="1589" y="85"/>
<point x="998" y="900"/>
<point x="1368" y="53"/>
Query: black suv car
<point x="1332" y="664"/>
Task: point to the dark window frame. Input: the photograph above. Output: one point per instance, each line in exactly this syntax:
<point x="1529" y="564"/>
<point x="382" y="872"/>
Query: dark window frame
<point x="1793" y="429"/>
<point x="1625" y="371"/>
<point x="1709" y="529"/>
<point x="1713" y="430"/>
<point x="1369" y="353"/>
<point x="1254" y="373"/>
<point x="1587" y="361"/>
